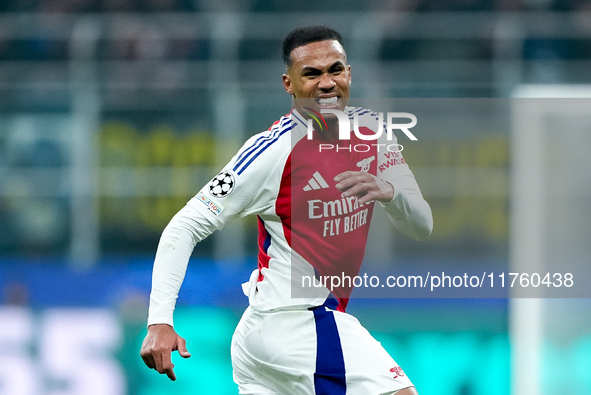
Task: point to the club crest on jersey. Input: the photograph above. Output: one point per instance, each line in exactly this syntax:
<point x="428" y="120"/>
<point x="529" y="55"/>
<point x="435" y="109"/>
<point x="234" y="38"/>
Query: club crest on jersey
<point x="398" y="372"/>
<point x="222" y="185"/>
<point x="364" y="164"/>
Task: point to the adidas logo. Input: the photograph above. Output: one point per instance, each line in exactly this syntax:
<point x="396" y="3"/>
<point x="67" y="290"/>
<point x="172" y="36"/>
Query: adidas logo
<point x="316" y="182"/>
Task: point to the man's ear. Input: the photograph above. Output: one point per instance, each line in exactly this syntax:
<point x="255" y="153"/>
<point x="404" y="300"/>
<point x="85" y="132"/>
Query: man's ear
<point x="349" y="70"/>
<point x="287" y="84"/>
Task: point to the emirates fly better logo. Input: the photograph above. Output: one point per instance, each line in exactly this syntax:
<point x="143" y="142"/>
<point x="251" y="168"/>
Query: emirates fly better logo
<point x="344" y="125"/>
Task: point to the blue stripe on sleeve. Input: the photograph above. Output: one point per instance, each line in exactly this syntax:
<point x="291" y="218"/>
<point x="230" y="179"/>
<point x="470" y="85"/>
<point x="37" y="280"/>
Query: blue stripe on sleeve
<point x="298" y="119"/>
<point x="260" y="147"/>
<point x="245" y="152"/>
<point x="261" y="140"/>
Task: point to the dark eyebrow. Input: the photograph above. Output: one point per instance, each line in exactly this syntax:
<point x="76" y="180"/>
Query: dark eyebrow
<point x="310" y="69"/>
<point x="336" y="64"/>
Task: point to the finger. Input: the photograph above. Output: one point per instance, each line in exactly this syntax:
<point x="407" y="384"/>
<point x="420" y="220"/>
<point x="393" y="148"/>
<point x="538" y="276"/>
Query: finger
<point x="167" y="366"/>
<point x="359" y="190"/>
<point x="352" y="179"/>
<point x="146" y="354"/>
<point x="347" y="183"/>
<point x="382" y="191"/>
<point x="158" y="363"/>
<point x="342" y="176"/>
<point x="149" y="361"/>
<point x="347" y="175"/>
<point x="170" y="373"/>
<point x="368" y="197"/>
<point x="183" y="352"/>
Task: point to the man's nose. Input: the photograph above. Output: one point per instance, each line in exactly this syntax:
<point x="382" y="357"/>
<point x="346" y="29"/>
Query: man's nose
<point x="326" y="82"/>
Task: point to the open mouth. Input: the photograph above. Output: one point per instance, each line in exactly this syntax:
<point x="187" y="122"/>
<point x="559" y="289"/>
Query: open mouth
<point x="328" y="101"/>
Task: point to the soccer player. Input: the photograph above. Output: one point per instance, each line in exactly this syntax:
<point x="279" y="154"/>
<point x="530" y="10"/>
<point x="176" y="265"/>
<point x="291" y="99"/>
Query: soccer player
<point x="314" y="206"/>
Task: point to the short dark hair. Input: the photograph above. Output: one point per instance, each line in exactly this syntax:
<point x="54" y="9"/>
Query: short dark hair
<point x="306" y="35"/>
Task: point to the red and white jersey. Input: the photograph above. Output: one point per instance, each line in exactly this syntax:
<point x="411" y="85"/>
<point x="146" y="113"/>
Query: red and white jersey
<point x="306" y="228"/>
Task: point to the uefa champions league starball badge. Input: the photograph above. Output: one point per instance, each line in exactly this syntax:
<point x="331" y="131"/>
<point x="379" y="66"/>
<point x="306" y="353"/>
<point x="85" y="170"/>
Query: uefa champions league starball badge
<point x="222" y="185"/>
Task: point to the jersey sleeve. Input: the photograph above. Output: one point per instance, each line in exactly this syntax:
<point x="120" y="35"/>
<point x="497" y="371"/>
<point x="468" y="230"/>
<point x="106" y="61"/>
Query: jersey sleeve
<point x="408" y="210"/>
<point x="241" y="188"/>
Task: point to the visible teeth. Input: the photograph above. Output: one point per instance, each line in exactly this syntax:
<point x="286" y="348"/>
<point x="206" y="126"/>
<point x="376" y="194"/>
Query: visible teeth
<point x="328" y="101"/>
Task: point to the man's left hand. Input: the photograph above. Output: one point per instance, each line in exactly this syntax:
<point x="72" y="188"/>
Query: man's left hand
<point x="365" y="186"/>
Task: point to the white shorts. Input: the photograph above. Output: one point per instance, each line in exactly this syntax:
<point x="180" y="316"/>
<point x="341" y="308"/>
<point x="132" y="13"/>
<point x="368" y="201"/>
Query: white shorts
<point x="319" y="351"/>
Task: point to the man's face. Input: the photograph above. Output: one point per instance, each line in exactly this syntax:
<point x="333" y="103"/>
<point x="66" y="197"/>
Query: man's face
<point x="319" y="76"/>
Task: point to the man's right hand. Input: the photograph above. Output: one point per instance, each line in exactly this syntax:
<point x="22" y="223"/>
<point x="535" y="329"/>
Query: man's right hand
<point x="157" y="347"/>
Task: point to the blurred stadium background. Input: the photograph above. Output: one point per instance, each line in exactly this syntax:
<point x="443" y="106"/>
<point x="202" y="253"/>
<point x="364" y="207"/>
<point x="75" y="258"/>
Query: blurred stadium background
<point x="113" y="113"/>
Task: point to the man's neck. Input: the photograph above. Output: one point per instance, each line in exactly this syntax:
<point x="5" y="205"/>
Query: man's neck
<point x="333" y="130"/>
<point x="330" y="132"/>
